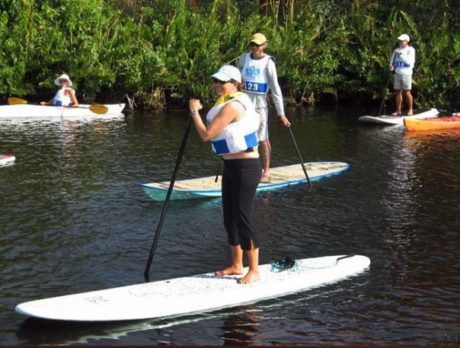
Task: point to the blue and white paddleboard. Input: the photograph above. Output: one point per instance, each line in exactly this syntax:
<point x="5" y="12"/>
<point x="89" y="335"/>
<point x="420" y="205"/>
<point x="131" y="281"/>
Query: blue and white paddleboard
<point x="190" y="295"/>
<point x="207" y="187"/>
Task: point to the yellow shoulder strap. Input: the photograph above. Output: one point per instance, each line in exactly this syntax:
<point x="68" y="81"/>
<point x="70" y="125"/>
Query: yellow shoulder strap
<point x="225" y="98"/>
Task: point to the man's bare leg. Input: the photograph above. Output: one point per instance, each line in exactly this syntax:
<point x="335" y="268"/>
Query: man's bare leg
<point x="409" y="101"/>
<point x="266" y="151"/>
<point x="398" y="99"/>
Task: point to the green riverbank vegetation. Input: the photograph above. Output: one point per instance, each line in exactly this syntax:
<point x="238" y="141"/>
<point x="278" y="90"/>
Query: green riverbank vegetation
<point x="161" y="52"/>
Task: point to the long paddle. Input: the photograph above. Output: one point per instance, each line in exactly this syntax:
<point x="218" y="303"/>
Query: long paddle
<point x="96" y="108"/>
<point x="217" y="172"/>
<point x="383" y="97"/>
<point x="300" y="158"/>
<point x="384" y="90"/>
<point x="166" y="202"/>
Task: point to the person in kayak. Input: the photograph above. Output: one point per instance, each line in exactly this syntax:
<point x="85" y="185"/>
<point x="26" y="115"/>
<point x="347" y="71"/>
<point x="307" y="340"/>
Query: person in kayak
<point x="66" y="95"/>
<point x="231" y="127"/>
<point x="402" y="63"/>
<point x="259" y="77"/>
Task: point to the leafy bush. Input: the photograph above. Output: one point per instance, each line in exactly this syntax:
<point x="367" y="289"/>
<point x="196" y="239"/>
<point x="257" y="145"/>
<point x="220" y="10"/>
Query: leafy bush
<point x="161" y="51"/>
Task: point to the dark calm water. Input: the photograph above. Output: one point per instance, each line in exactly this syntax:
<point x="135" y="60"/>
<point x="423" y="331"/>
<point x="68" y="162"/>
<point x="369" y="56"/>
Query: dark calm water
<point x="73" y="218"/>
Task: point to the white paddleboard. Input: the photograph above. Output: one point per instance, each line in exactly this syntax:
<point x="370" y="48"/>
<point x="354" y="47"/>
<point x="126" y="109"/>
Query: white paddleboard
<point x="397" y="120"/>
<point x="6" y="159"/>
<point x="194" y="294"/>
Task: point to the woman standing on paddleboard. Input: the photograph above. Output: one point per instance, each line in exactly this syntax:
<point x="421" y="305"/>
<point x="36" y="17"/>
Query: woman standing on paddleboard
<point x="66" y="95"/>
<point x="231" y="127"/>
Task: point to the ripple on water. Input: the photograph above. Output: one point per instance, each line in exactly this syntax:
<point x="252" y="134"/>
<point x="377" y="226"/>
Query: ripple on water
<point x="77" y="220"/>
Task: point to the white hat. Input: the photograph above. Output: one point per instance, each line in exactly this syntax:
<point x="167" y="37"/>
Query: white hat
<point x="63" y="77"/>
<point x="404" y="37"/>
<point x="227" y="73"/>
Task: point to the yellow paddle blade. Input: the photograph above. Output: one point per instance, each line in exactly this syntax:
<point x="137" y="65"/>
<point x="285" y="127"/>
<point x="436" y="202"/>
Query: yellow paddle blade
<point x="16" y="101"/>
<point x="98" y="108"/>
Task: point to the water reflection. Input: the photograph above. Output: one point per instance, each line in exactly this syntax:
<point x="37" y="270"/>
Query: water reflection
<point x="241" y="328"/>
<point x="238" y="326"/>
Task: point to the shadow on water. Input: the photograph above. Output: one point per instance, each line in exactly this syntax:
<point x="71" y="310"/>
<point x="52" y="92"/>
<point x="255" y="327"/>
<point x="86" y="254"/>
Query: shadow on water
<point x="238" y="326"/>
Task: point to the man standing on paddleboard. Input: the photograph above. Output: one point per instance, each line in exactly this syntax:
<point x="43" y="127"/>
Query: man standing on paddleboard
<point x="259" y="77"/>
<point x="402" y="63"/>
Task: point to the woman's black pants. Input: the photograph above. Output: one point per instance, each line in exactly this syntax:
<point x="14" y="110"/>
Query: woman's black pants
<point x="239" y="184"/>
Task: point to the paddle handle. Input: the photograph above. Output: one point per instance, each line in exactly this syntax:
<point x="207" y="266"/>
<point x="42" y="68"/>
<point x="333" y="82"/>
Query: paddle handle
<point x="300" y="158"/>
<point x="168" y="197"/>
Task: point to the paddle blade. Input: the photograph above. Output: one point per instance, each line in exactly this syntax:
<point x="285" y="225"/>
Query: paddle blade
<point x="16" y="101"/>
<point x="99" y="108"/>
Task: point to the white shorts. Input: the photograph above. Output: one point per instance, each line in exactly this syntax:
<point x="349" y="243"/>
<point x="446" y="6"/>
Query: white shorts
<point x="402" y="82"/>
<point x="263" y="125"/>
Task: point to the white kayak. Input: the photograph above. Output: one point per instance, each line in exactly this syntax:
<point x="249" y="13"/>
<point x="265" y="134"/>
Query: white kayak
<point x="207" y="187"/>
<point x="29" y="112"/>
<point x="398" y="120"/>
<point x="194" y="294"/>
<point x="6" y="159"/>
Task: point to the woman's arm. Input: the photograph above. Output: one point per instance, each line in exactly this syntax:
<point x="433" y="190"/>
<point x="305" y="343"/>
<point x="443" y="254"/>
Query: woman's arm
<point x="73" y="97"/>
<point x="227" y="115"/>
<point x="49" y="102"/>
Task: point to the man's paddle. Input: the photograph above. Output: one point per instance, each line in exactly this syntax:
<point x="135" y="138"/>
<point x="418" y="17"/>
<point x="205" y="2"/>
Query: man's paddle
<point x="166" y="202"/>
<point x="384" y="90"/>
<point x="383" y="94"/>
<point x="96" y="108"/>
<point x="300" y="158"/>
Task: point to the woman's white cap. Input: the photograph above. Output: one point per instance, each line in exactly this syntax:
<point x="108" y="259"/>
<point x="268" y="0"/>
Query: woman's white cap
<point x="63" y="77"/>
<point x="404" y="37"/>
<point x="227" y="73"/>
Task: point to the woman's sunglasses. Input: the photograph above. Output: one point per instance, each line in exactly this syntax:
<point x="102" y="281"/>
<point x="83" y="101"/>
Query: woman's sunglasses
<point x="253" y="44"/>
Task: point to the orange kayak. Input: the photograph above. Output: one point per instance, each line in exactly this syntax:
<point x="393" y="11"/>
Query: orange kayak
<point x="442" y="122"/>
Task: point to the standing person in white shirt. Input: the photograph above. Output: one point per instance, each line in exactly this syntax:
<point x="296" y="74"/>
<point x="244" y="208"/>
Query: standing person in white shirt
<point x="402" y="62"/>
<point x="259" y="76"/>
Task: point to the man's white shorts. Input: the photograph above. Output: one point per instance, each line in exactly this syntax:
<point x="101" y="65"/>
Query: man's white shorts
<point x="263" y="125"/>
<point x="402" y="82"/>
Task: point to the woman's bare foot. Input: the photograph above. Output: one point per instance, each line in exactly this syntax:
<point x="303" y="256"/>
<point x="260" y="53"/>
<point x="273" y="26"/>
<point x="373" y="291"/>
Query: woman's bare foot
<point x="231" y="270"/>
<point x="250" y="277"/>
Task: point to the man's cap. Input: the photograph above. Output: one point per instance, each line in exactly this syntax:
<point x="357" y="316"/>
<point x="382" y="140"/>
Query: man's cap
<point x="404" y="37"/>
<point x="258" y="39"/>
